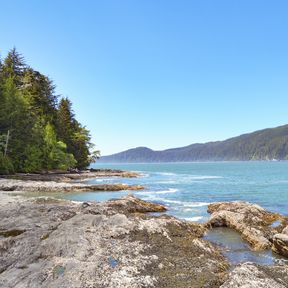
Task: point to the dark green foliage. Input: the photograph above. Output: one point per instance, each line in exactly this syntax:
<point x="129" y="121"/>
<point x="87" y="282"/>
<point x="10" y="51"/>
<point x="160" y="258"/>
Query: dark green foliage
<point x="265" y="144"/>
<point x="13" y="67"/>
<point x="38" y="90"/>
<point x="6" y="166"/>
<point x="44" y="135"/>
<point x="55" y="152"/>
<point x="73" y="134"/>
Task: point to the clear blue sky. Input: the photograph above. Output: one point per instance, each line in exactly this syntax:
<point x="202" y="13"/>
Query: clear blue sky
<point x="158" y="73"/>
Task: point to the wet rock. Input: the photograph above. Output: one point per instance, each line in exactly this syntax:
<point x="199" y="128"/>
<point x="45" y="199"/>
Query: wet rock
<point x="251" y="220"/>
<point x="249" y="275"/>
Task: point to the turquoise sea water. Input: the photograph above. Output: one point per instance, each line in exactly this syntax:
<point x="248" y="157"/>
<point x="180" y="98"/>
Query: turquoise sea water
<point x="187" y="188"/>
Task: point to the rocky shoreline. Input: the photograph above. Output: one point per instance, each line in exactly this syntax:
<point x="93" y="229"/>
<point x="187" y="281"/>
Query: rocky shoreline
<point x="260" y="228"/>
<point x="47" y="242"/>
<point x="60" y="176"/>
<point x="66" y="182"/>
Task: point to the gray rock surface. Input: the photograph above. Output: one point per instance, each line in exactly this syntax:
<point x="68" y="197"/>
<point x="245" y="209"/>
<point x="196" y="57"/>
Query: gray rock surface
<point x="53" y="186"/>
<point x="45" y="242"/>
<point x="56" y="243"/>
<point x="60" y="176"/>
<point x="280" y="242"/>
<point x="249" y="275"/>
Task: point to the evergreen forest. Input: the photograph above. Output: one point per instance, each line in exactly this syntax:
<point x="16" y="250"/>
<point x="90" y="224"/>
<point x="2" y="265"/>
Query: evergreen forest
<point x="38" y="128"/>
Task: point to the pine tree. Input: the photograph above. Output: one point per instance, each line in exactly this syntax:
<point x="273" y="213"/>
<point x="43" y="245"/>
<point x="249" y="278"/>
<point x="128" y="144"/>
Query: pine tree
<point x="17" y="121"/>
<point x="13" y="67"/>
<point x="73" y="134"/>
<point x="39" y="91"/>
<point x="65" y="122"/>
<point x="43" y="134"/>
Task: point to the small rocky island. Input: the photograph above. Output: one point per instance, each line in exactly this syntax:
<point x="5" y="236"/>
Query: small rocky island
<point x="47" y="242"/>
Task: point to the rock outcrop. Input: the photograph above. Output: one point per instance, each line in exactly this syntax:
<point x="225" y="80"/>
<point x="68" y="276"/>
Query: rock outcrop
<point x="52" y="186"/>
<point x="280" y="242"/>
<point x="47" y="242"/>
<point x="252" y="221"/>
<point x="249" y="275"/>
<point x="60" y="176"/>
<point x="56" y="243"/>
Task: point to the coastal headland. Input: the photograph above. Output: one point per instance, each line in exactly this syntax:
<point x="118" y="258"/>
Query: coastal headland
<point x="49" y="242"/>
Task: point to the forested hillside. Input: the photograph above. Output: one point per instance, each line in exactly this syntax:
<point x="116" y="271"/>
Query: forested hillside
<point x="38" y="129"/>
<point x="267" y="144"/>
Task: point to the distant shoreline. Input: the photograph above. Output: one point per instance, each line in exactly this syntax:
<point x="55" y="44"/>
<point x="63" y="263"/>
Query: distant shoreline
<point x="67" y="176"/>
<point x="65" y="181"/>
<point x="262" y="145"/>
<point x="191" y="162"/>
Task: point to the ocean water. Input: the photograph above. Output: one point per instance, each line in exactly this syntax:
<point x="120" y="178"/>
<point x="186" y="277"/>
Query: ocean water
<point x="187" y="189"/>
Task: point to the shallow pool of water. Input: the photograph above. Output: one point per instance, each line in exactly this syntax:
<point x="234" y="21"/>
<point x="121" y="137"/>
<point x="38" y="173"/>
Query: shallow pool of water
<point x="238" y="251"/>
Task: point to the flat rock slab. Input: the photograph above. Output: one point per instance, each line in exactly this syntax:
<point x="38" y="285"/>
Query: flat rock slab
<point x="56" y="243"/>
<point x="52" y="186"/>
<point x="249" y="275"/>
<point x="60" y="176"/>
<point x="47" y="242"/>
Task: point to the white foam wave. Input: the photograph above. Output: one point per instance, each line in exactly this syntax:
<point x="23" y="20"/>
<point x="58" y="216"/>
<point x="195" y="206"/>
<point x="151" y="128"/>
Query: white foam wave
<point x="171" y="190"/>
<point x="103" y="180"/>
<point x="188" y="176"/>
<point x="153" y="196"/>
<point x="143" y="175"/>
<point x="167" y="174"/>
<point x="171" y="201"/>
<point x="195" y="177"/>
<point x="188" y="209"/>
<point x="186" y="204"/>
<point x="194" y="219"/>
<point x="196" y="204"/>
<point x="167" y="182"/>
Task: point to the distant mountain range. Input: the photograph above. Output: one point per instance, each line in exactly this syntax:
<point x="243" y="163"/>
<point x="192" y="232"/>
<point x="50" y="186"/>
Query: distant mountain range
<point x="267" y="144"/>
